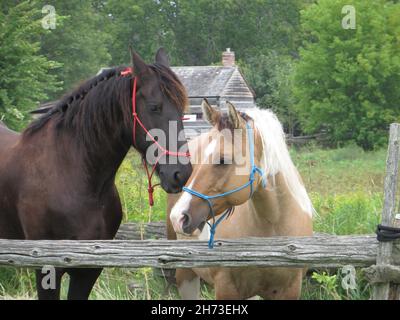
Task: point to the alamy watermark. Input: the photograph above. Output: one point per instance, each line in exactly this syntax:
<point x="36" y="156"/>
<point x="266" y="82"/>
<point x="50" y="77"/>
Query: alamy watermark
<point x="349" y="20"/>
<point x="349" y="278"/>
<point x="49" y="20"/>
<point x="226" y="147"/>
<point x="49" y="278"/>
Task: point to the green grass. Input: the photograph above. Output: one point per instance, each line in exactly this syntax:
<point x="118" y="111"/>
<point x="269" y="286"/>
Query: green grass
<point x="341" y="171"/>
<point x="351" y="213"/>
<point x="326" y="285"/>
<point x="346" y="189"/>
<point x="132" y="187"/>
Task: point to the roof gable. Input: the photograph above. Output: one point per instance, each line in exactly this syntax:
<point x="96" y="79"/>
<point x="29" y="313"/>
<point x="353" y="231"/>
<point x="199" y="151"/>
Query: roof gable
<point x="213" y="81"/>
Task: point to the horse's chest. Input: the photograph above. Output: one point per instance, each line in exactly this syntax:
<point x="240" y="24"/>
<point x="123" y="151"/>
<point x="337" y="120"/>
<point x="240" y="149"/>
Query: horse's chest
<point x="265" y="282"/>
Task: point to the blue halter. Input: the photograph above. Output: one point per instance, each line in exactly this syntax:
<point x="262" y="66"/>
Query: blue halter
<point x="254" y="170"/>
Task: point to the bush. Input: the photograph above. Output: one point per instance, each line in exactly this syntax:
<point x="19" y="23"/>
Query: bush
<point x="347" y="81"/>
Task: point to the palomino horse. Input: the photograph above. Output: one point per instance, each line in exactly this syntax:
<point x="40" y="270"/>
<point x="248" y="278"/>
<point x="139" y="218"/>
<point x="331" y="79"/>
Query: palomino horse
<point x="57" y="178"/>
<point x="222" y="172"/>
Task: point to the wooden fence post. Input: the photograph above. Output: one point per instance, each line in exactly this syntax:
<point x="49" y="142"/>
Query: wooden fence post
<point x="385" y="291"/>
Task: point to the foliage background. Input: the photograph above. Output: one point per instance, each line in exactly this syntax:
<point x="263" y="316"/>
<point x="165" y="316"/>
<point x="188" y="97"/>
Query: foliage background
<point x="347" y="81"/>
<point x="295" y="54"/>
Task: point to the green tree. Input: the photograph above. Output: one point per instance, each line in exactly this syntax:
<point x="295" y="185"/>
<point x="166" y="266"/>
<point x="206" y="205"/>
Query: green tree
<point x="24" y="73"/>
<point x="79" y="41"/>
<point x="347" y="81"/>
<point x="204" y="28"/>
<point x="270" y="77"/>
<point x="140" y="23"/>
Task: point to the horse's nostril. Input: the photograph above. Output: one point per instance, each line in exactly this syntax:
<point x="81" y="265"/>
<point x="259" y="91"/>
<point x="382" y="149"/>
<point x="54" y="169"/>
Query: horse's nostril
<point x="177" y="176"/>
<point x="185" y="220"/>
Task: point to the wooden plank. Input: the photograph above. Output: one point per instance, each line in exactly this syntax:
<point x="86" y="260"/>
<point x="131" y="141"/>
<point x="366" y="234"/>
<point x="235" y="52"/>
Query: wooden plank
<point x="318" y="251"/>
<point x="394" y="293"/>
<point x="142" y="231"/>
<point x="382" y="274"/>
<point x="151" y="231"/>
<point x="381" y="291"/>
<point x="301" y="140"/>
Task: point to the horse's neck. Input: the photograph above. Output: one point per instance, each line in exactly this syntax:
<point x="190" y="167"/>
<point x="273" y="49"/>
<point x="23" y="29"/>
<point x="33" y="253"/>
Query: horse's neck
<point x="103" y="155"/>
<point x="276" y="211"/>
<point x="103" y="167"/>
<point x="267" y="203"/>
<point x="99" y="164"/>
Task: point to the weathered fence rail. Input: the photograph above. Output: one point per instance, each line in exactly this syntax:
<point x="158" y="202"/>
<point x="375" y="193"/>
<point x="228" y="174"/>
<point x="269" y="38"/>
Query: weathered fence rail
<point x="142" y="231"/>
<point x="318" y="251"/>
<point x="152" y="231"/>
<point x="303" y="140"/>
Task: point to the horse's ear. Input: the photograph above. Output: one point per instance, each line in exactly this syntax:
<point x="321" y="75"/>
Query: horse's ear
<point x="139" y="65"/>
<point x="234" y="116"/>
<point x="209" y="113"/>
<point x="162" y="58"/>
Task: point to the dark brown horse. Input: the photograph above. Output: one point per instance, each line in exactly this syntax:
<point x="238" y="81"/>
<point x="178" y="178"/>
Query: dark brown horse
<point x="57" y="177"/>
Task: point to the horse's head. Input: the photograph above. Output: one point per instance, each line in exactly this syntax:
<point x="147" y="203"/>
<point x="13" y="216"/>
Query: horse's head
<point x="222" y="163"/>
<point x="160" y="102"/>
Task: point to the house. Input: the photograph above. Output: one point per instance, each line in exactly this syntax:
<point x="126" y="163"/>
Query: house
<point x="217" y="84"/>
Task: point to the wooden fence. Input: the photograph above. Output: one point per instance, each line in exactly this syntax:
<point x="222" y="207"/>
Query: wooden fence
<point x="318" y="251"/>
<point x="381" y="259"/>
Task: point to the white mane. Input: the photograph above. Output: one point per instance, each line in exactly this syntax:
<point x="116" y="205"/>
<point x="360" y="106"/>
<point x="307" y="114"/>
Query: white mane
<point x="276" y="157"/>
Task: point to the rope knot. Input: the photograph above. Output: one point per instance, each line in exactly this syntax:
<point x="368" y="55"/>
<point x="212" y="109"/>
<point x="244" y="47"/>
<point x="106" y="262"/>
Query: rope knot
<point x="150" y="190"/>
<point x="212" y="235"/>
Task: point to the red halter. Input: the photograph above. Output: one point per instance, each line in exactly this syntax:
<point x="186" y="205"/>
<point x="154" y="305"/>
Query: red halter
<point x="136" y="120"/>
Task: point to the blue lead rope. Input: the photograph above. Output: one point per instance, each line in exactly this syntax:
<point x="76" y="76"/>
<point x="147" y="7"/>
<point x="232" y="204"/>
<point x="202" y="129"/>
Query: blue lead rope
<point x="254" y="170"/>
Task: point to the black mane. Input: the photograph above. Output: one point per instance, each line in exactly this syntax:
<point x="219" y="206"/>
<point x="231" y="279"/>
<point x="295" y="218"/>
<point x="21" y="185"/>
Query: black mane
<point x="66" y="109"/>
<point x="95" y="106"/>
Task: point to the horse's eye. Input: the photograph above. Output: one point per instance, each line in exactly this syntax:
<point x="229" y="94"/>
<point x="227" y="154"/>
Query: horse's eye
<point x="155" y="108"/>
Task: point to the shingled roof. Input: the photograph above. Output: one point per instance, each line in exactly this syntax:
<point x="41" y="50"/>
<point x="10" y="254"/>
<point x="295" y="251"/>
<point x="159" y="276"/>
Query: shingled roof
<point x="217" y="84"/>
